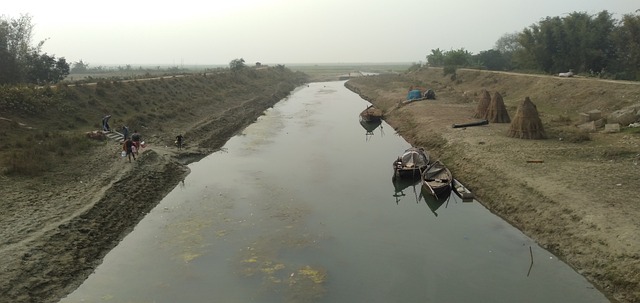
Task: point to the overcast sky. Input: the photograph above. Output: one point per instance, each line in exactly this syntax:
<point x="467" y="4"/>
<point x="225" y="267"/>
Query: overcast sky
<point x="188" y="32"/>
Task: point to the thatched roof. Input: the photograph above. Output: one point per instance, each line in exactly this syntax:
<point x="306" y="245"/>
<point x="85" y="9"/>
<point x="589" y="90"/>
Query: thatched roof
<point x="497" y="112"/>
<point x="483" y="105"/>
<point x="526" y="124"/>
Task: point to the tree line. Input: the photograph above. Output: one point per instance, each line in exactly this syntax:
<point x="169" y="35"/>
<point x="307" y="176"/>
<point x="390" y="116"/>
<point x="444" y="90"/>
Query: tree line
<point x="20" y="61"/>
<point x="597" y="45"/>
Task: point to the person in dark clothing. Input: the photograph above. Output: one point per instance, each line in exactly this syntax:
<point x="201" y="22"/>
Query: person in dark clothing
<point x="128" y="148"/>
<point x="179" y="140"/>
<point x="125" y="132"/>
<point x="105" y="123"/>
<point x="136" y="138"/>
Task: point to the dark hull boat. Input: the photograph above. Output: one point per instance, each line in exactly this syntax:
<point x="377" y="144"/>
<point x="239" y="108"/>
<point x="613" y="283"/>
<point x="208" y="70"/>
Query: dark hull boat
<point x="371" y="114"/>
<point x="411" y="163"/>
<point x="437" y="179"/>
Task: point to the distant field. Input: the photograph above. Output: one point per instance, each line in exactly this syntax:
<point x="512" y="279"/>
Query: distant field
<point x="317" y="72"/>
<point x="325" y="72"/>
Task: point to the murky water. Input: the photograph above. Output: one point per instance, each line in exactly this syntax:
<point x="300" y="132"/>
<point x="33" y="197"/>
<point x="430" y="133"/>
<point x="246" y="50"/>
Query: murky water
<point x="300" y="208"/>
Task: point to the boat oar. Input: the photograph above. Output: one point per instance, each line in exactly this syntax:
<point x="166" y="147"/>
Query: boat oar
<point x="433" y="192"/>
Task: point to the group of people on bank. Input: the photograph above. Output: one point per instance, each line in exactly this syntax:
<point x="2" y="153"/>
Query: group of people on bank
<point x="132" y="144"/>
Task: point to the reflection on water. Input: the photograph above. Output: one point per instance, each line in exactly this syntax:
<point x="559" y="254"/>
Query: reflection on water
<point x="435" y="202"/>
<point x="298" y="210"/>
<point x="370" y="127"/>
<point x="401" y="184"/>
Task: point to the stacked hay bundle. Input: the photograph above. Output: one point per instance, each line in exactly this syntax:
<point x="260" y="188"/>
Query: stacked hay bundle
<point x="526" y="124"/>
<point x="483" y="105"/>
<point x="497" y="112"/>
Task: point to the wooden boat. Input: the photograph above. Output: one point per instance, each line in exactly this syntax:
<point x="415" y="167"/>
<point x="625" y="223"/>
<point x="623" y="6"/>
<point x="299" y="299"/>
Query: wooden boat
<point x="411" y="163"/>
<point x="371" y="114"/>
<point x="437" y="179"/>
<point x="461" y="191"/>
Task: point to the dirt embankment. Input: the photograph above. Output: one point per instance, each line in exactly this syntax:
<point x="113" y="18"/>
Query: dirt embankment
<point x="55" y="228"/>
<point x="582" y="203"/>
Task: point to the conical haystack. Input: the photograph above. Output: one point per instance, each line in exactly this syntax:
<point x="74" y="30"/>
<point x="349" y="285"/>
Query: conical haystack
<point x="526" y="124"/>
<point x="483" y="105"/>
<point x="497" y="112"/>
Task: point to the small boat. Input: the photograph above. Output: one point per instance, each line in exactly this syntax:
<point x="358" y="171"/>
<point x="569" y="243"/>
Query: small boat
<point x="437" y="179"/>
<point x="371" y="114"/>
<point x="411" y="164"/>
<point x="461" y="191"/>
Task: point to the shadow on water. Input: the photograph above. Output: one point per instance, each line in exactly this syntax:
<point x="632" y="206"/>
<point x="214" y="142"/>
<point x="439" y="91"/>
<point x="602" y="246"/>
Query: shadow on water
<point x="402" y="184"/>
<point x="370" y="127"/>
<point x="433" y="202"/>
<point x="413" y="187"/>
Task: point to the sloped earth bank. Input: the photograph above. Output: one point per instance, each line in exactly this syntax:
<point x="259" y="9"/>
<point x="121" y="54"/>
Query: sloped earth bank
<point x="55" y="229"/>
<point x="582" y="203"/>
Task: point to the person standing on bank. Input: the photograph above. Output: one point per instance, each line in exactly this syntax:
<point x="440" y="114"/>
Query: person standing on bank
<point x="105" y="123"/>
<point x="179" y="139"/>
<point x="125" y="132"/>
<point x="136" y="138"/>
<point x="128" y="148"/>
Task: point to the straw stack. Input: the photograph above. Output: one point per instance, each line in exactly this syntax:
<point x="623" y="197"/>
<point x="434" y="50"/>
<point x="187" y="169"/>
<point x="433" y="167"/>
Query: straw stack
<point x="483" y="105"/>
<point x="497" y="112"/>
<point x="526" y="124"/>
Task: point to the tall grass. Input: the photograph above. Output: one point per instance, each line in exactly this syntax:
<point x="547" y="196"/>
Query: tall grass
<point x="40" y="152"/>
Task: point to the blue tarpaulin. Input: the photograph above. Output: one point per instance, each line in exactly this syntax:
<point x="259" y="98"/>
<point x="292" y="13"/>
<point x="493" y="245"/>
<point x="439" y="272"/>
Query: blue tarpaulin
<point x="414" y="94"/>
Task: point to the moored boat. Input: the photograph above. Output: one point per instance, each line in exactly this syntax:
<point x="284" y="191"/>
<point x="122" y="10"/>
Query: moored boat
<point x="411" y="163"/>
<point x="437" y="179"/>
<point x="371" y="114"/>
<point x="461" y="191"/>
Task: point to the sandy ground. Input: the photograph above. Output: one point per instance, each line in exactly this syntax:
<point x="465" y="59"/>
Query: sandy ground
<point x="582" y="203"/>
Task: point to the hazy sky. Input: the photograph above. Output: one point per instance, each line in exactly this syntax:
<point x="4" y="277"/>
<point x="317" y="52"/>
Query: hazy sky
<point x="282" y="31"/>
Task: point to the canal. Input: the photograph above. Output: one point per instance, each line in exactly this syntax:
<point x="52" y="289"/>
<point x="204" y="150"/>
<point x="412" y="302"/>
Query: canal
<point x="300" y="207"/>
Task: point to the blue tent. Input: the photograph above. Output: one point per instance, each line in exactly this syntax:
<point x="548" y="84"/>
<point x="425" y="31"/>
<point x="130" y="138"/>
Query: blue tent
<point x="414" y="94"/>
